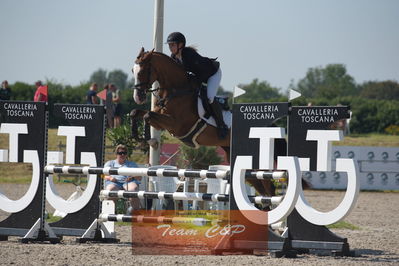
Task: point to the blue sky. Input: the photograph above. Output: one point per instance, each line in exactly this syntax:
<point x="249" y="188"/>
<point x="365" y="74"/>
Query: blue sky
<point x="276" y="41"/>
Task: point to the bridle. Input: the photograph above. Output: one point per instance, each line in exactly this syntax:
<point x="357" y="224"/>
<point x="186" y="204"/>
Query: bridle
<point x="140" y="86"/>
<point x="144" y="87"/>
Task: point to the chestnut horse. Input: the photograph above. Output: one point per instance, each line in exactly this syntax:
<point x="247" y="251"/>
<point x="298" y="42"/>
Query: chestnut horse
<point x="176" y="106"/>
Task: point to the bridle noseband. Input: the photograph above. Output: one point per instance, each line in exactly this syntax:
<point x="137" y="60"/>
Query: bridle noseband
<point x="140" y="86"/>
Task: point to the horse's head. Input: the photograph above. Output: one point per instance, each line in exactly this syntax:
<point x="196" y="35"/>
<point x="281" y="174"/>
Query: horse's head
<point x="143" y="76"/>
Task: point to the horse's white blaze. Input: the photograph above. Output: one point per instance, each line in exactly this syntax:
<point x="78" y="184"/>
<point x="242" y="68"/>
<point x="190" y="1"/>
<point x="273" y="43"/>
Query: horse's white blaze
<point x="136" y="97"/>
<point x="136" y="69"/>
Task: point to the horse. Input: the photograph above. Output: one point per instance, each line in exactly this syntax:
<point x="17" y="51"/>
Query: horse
<point x="176" y="107"/>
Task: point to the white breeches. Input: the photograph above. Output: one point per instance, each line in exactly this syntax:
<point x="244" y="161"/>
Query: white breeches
<point x="213" y="85"/>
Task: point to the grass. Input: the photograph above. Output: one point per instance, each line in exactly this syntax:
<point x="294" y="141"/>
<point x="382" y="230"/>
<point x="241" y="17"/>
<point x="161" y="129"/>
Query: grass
<point x="343" y="225"/>
<point x="169" y="139"/>
<point x="22" y="173"/>
<point x="52" y="219"/>
<point x="373" y="139"/>
<point x="123" y="223"/>
<point x="15" y="173"/>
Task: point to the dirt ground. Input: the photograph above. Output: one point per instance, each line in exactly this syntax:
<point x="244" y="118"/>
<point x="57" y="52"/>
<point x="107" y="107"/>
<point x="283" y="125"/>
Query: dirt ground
<point x="375" y="242"/>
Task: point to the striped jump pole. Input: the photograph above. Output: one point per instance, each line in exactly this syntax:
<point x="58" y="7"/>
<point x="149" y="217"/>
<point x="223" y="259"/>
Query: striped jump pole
<point x="162" y="172"/>
<point x="154" y="219"/>
<point x="104" y="194"/>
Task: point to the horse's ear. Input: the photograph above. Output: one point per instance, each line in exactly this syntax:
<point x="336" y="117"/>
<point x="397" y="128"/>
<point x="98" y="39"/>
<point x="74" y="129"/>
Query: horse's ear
<point x="153" y="49"/>
<point x="140" y="53"/>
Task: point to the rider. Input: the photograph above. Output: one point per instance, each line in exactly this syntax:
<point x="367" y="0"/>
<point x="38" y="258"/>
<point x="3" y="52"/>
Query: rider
<point x="207" y="70"/>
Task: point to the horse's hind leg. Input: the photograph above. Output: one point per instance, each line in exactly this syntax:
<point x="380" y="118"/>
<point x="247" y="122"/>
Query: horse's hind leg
<point x="134" y="128"/>
<point x="147" y="131"/>
<point x="263" y="187"/>
<point x="137" y="113"/>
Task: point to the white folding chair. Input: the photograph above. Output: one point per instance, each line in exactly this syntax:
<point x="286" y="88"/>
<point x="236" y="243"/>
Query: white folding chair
<point x="143" y="185"/>
<point x="213" y="186"/>
<point x="166" y="184"/>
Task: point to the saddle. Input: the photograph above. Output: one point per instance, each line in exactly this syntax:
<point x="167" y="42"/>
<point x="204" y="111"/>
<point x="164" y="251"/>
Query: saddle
<point x="221" y="100"/>
<point x="190" y="138"/>
<point x="202" y="93"/>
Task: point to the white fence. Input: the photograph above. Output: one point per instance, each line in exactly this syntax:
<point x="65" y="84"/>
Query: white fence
<point x="378" y="169"/>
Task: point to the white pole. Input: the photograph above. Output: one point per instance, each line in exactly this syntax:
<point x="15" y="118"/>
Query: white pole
<point x="158" y="41"/>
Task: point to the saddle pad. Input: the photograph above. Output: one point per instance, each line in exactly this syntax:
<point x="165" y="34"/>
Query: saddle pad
<point x="227" y="116"/>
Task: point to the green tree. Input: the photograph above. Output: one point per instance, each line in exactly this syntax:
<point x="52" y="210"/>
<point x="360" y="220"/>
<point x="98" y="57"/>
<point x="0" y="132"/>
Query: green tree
<point x="258" y="92"/>
<point x="122" y="135"/>
<point x="21" y="91"/>
<point x="223" y="92"/>
<point x="384" y="90"/>
<point x="329" y="82"/>
<point x="388" y="115"/>
<point x="100" y="77"/>
<point x="119" y="78"/>
<point x="199" y="158"/>
<point x="130" y="83"/>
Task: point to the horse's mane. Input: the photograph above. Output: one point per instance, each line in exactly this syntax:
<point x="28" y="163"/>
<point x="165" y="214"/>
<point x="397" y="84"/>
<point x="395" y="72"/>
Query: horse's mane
<point x="170" y="60"/>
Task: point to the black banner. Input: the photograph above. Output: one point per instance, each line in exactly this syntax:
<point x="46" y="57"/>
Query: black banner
<point x="27" y="123"/>
<point x="249" y="115"/>
<point x="88" y="121"/>
<point x="304" y="118"/>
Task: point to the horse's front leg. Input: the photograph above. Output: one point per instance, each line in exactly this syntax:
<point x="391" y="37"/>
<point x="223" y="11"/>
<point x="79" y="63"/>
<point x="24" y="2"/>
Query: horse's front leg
<point x="135" y="115"/>
<point x="159" y="121"/>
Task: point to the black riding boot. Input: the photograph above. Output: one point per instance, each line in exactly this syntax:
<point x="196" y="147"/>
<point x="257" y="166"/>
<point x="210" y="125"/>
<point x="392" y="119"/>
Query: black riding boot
<point x="218" y="115"/>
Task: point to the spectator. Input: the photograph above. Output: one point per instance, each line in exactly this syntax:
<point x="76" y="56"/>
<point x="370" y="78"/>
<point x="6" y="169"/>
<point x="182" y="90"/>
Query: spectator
<point x="121" y="182"/>
<point x="116" y="98"/>
<point x="5" y="91"/>
<point x="41" y="92"/>
<point x="109" y="106"/>
<point x="342" y="124"/>
<point x="91" y="96"/>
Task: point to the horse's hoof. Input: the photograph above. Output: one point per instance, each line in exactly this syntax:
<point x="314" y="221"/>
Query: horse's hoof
<point x="134" y="134"/>
<point x="146" y="118"/>
<point x="153" y="143"/>
<point x="133" y="113"/>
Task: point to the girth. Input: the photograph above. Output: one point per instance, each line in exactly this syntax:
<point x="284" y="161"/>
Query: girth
<point x="190" y="139"/>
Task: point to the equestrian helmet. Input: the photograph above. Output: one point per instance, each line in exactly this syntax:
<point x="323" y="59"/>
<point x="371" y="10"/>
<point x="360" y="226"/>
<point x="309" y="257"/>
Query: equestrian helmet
<point x="176" y="37"/>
